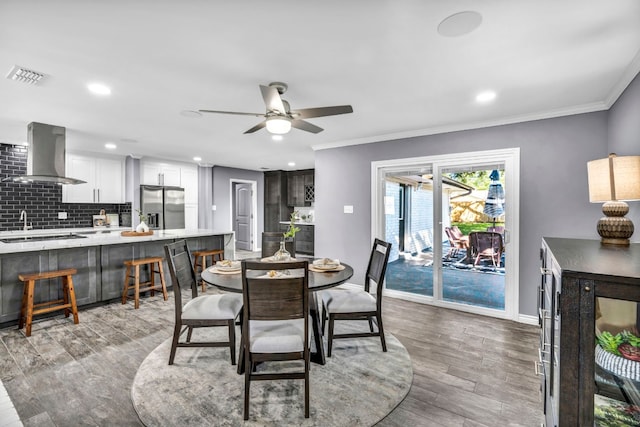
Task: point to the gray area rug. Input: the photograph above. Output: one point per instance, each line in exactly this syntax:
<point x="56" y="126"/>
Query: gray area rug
<point x="358" y="386"/>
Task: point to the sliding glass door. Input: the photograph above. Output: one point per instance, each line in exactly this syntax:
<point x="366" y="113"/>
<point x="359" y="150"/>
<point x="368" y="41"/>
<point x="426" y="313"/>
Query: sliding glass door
<point x="451" y="220"/>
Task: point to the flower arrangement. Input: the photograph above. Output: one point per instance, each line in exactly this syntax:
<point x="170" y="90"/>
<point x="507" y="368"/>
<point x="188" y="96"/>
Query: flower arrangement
<point x="292" y="229"/>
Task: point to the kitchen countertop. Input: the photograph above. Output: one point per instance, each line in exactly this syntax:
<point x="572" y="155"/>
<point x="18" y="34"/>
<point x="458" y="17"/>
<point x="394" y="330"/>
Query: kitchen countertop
<point x="93" y="237"/>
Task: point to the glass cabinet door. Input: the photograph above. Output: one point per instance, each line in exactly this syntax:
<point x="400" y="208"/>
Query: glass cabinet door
<point x="617" y="363"/>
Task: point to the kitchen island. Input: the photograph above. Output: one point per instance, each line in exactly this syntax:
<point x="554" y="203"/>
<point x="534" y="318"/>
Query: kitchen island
<point x="97" y="254"/>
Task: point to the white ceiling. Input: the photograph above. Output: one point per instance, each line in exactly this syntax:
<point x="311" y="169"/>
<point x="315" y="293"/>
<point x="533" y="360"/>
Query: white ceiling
<point x="385" y="58"/>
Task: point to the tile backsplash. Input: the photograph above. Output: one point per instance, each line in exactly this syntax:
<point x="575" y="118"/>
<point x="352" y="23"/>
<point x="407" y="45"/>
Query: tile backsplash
<point x="42" y="201"/>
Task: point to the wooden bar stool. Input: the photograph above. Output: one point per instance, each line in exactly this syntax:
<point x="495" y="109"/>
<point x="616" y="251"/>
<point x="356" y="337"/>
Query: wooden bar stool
<point x="155" y="267"/>
<point x="67" y="303"/>
<point x="200" y="261"/>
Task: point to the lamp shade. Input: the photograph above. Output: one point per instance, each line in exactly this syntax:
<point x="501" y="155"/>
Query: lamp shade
<point x="278" y="125"/>
<point x="614" y="178"/>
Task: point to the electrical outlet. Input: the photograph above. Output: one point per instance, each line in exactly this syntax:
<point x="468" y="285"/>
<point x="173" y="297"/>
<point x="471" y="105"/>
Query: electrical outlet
<point x="62" y="215"/>
<point x="348" y="209"/>
<point x="213" y="207"/>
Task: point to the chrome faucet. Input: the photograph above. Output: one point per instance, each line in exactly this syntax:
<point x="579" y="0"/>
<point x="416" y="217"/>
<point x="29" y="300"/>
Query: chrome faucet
<point x="23" y="216"/>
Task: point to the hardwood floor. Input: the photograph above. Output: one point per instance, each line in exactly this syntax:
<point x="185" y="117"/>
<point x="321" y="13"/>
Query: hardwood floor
<point x="469" y="370"/>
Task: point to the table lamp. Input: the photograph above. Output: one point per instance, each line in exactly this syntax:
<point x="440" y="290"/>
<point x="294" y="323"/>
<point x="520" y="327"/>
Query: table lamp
<point x="612" y="181"/>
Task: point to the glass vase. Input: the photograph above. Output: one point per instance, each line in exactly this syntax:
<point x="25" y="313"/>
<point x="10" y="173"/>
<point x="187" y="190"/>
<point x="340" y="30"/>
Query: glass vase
<point x="282" y="254"/>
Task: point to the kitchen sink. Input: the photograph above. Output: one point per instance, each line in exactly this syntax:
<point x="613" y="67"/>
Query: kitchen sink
<point x="43" y="237"/>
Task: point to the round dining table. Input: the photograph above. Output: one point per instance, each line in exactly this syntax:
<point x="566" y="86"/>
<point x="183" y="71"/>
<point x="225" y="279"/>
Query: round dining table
<point x="232" y="282"/>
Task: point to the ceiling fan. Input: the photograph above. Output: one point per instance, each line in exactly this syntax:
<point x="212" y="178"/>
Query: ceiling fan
<point x="279" y="118"/>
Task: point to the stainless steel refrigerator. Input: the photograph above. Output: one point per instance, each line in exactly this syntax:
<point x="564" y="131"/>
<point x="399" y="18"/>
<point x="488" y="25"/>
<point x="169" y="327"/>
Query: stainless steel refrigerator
<point x="163" y="206"/>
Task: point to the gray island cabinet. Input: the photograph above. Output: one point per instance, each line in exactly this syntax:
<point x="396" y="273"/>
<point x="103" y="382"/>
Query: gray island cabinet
<point x="98" y="257"/>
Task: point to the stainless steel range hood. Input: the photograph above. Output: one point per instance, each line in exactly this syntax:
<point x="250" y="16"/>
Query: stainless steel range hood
<point x="45" y="156"/>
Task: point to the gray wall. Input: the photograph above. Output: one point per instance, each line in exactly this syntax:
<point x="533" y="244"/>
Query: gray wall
<point x="553" y="187"/>
<point x="624" y="135"/>
<point x="222" y="177"/>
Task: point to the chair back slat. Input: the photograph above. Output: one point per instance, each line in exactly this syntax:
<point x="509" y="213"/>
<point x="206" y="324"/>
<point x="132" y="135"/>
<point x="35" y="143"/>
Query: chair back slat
<point x="183" y="276"/>
<point x="377" y="265"/>
<point x="279" y="298"/>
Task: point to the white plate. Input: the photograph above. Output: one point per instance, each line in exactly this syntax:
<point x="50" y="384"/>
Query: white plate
<point x="325" y="264"/>
<point x="235" y="265"/>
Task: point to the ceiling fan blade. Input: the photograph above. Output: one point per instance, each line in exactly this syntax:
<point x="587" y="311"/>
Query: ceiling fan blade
<point x="257" y="127"/>
<point x="302" y="125"/>
<point x="307" y="113"/>
<point x="272" y="99"/>
<point x="232" y="112"/>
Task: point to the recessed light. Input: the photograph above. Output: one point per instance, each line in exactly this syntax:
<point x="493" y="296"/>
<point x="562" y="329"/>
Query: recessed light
<point x="291" y="164"/>
<point x="197" y="159"/>
<point x="485" y="97"/>
<point x="99" y="89"/>
<point x="277" y="137"/>
<point x="190" y="113"/>
<point x="110" y="146"/>
<point x="459" y="24"/>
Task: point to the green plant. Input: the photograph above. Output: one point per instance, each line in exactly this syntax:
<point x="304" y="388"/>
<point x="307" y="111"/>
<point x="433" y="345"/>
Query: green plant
<point x="292" y="229"/>
<point x="141" y="216"/>
<point x="610" y="342"/>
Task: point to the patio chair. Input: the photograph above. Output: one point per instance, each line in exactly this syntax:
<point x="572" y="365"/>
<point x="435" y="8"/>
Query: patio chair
<point x="457" y="241"/>
<point x="486" y="244"/>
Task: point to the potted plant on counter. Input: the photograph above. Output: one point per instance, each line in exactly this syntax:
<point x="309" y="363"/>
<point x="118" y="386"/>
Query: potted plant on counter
<point x="142" y="226"/>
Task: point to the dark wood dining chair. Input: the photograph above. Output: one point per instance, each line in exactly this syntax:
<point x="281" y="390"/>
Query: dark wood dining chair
<point x="359" y="304"/>
<point x="200" y="311"/>
<point x="271" y="243"/>
<point x="275" y="321"/>
<point x="486" y="244"/>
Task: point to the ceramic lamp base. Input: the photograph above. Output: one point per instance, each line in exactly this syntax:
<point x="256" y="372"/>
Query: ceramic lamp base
<point x="615" y="228"/>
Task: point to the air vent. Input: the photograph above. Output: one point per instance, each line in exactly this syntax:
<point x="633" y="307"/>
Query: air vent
<point x="24" y="75"/>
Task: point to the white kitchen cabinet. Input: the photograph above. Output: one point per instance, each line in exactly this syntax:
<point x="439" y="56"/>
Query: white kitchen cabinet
<point x="190" y="216"/>
<point x="160" y="173"/>
<point x="104" y="176"/>
<point x="189" y="181"/>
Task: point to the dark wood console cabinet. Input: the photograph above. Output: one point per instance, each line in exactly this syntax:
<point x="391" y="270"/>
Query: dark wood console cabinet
<point x="575" y="273"/>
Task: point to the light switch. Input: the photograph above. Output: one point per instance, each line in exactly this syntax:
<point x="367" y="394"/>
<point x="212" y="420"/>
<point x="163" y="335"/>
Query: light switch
<point x="213" y="207"/>
<point x="348" y="209"/>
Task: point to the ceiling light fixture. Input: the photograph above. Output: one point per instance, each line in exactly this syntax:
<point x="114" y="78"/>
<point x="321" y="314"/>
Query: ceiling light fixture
<point x="278" y="125"/>
<point x="485" y="97"/>
<point x="110" y="146"/>
<point x="292" y="164"/>
<point x="197" y="159"/>
<point x="99" y="89"/>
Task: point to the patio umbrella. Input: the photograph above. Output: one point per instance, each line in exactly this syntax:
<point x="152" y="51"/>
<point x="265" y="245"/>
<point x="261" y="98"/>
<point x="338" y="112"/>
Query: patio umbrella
<point x="494" y="205"/>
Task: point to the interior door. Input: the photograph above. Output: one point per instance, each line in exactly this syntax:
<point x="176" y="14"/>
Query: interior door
<point x="243" y="216"/>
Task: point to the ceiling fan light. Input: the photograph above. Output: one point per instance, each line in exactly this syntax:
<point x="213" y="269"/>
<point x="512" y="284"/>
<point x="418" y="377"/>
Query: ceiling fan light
<point x="278" y="125"/>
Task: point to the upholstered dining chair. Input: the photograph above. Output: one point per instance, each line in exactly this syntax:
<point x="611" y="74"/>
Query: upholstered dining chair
<point x="360" y="304"/>
<point x="275" y="322"/>
<point x="200" y="311"/>
<point x="271" y="243"/>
